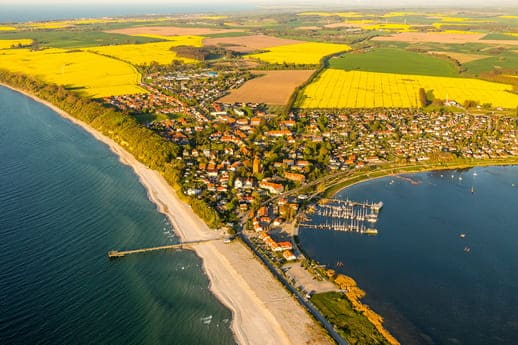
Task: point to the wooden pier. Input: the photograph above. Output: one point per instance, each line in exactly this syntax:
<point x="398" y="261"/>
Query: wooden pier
<point x="114" y="254"/>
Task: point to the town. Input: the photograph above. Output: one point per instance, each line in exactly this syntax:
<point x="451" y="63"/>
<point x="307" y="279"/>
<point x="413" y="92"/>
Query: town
<point x="236" y="156"/>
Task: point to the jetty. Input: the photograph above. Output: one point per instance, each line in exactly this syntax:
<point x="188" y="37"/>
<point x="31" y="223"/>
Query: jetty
<point x="114" y="254"/>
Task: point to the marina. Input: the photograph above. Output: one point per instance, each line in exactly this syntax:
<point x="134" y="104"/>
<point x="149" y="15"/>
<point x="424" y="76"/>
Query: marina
<point x="343" y="215"/>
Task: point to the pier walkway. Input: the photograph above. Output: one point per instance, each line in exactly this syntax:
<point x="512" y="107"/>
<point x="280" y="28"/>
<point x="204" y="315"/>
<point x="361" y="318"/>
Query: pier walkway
<point x="113" y="254"/>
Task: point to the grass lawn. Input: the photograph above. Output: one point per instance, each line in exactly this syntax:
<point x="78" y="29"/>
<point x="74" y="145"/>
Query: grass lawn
<point x="389" y="60"/>
<point x="352" y="326"/>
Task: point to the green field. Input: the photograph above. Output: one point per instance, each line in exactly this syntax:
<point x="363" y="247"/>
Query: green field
<point x="388" y="60"/>
<point x="500" y="37"/>
<point x="76" y="38"/>
<point x="508" y="61"/>
<point x="352" y="326"/>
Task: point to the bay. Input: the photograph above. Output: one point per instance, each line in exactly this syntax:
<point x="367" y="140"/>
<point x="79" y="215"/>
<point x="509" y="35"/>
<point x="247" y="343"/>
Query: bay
<point x="444" y="267"/>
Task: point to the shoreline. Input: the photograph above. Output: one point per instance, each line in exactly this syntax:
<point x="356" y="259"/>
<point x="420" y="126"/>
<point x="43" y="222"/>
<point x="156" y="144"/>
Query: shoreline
<point x="422" y="169"/>
<point x="231" y="272"/>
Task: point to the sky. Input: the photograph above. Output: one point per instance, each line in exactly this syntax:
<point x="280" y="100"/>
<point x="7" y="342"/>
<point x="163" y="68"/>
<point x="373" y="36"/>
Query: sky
<point x="316" y="3"/>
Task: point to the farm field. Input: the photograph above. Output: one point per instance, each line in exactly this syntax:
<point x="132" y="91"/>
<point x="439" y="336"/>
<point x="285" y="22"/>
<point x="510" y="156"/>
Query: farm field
<point x="416" y="37"/>
<point x="356" y="89"/>
<point x="506" y="60"/>
<point x="96" y="75"/>
<point x="390" y="60"/>
<point x="171" y="31"/>
<point x="140" y="54"/>
<point x="248" y="44"/>
<point x="7" y="44"/>
<point x="502" y="36"/>
<point x="442" y="37"/>
<point x="300" y="53"/>
<point x="273" y="88"/>
<point x="390" y="27"/>
<point x="74" y="39"/>
<point x="460" y="57"/>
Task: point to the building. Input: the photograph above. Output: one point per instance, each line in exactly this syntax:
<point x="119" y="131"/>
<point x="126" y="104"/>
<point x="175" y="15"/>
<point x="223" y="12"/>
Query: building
<point x="273" y="188"/>
<point x="288" y="255"/>
<point x="256" y="168"/>
<point x="294" y="177"/>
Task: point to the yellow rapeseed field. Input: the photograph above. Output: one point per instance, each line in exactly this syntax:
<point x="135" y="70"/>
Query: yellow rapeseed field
<point x="7" y="28"/>
<point x="300" y="53"/>
<point x="401" y="14"/>
<point x="48" y="25"/>
<point x="358" y="89"/>
<point x="390" y="27"/>
<point x="459" y="32"/>
<point x="6" y="44"/>
<point x="140" y="54"/>
<point x="96" y="75"/>
<point x="60" y="24"/>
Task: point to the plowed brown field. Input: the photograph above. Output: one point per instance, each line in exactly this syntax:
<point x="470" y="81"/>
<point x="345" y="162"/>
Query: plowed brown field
<point x="273" y="88"/>
<point x="247" y="44"/>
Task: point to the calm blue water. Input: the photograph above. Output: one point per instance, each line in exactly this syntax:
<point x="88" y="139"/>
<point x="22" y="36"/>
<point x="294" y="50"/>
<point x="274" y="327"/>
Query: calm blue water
<point x="65" y="200"/>
<point x="51" y="11"/>
<point x="431" y="285"/>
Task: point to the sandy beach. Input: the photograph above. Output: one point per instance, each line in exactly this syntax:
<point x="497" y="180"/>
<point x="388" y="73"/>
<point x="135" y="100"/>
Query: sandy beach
<point x="263" y="311"/>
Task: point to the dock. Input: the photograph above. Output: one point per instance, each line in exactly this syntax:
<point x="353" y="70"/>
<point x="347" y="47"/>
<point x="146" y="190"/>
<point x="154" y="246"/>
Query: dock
<point x="343" y="215"/>
<point x="114" y="254"/>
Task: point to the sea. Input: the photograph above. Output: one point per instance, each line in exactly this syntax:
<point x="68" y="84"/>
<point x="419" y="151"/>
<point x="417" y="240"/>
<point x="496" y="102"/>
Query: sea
<point x="16" y="13"/>
<point x="65" y="201"/>
<point x="443" y="268"/>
